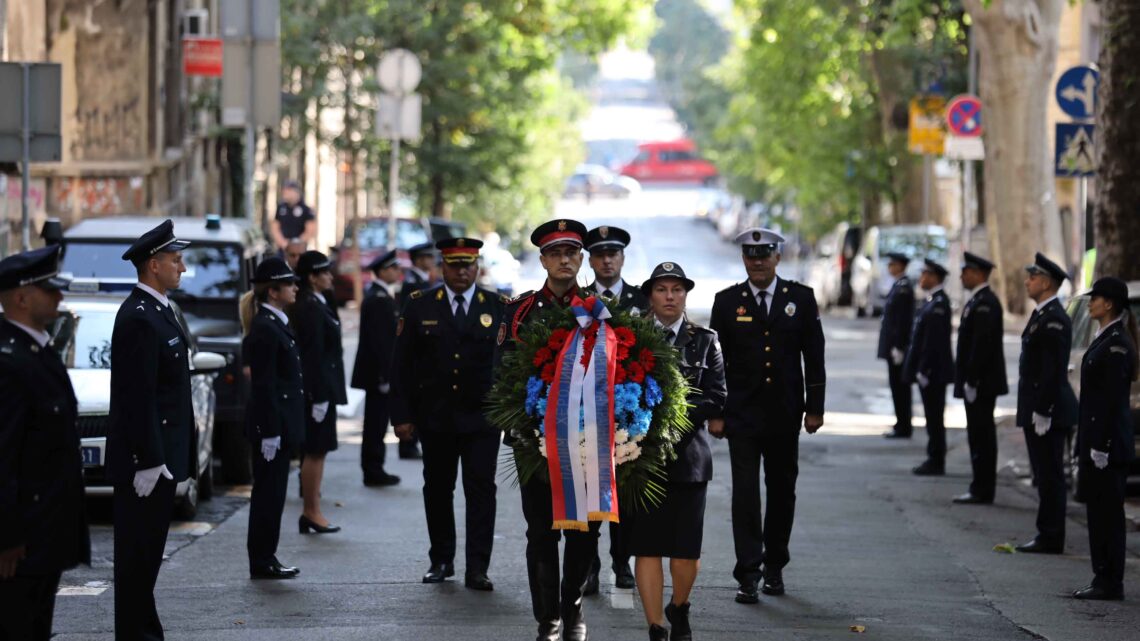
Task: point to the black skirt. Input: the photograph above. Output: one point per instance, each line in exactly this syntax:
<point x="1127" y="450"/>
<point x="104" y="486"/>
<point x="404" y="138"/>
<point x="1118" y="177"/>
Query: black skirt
<point x="673" y="529"/>
<point x="320" y="438"/>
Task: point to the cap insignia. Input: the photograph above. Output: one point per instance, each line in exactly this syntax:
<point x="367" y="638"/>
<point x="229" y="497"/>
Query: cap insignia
<point x="603" y="231"/>
<point x="562" y="225"/>
<point x="460" y="243"/>
<point x="756" y="236"/>
<point x="667" y="266"/>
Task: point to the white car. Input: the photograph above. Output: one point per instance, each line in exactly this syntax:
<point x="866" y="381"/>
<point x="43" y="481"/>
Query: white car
<point x="82" y="335"/>
<point x="595" y="180"/>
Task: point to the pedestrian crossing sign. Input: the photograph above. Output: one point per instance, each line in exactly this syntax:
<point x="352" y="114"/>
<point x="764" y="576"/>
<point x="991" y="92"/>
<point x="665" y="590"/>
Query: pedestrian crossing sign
<point x="1075" y="151"/>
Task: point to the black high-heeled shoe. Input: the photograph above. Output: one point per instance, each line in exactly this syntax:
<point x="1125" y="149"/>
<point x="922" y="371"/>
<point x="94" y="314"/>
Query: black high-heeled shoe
<point x="305" y="525"/>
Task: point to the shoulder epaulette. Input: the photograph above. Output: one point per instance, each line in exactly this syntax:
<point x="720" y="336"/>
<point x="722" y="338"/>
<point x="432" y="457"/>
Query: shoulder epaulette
<point x="416" y="294"/>
<point x="526" y="294"/>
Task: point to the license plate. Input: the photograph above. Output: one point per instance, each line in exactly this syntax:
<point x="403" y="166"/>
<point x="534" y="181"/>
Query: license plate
<point x="91" y="456"/>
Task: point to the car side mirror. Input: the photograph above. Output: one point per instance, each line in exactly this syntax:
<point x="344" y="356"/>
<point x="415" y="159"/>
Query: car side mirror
<point x="205" y="362"/>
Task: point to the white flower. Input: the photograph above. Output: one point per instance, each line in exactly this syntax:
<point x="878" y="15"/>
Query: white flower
<point x="638" y="438"/>
<point x="634" y="453"/>
<point x="542" y="448"/>
<point x="537" y="434"/>
<point x="620" y="436"/>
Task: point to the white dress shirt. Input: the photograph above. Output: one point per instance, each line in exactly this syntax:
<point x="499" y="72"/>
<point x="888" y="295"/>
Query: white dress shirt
<point x="675" y="327"/>
<point x="616" y="289"/>
<point x="771" y="293"/>
<point x="278" y="313"/>
<point x="39" y="336"/>
<point x="468" y="296"/>
<point x="154" y="292"/>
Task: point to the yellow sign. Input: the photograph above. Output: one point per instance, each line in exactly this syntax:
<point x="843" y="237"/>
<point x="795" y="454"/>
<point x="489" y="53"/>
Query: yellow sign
<point x="926" y="133"/>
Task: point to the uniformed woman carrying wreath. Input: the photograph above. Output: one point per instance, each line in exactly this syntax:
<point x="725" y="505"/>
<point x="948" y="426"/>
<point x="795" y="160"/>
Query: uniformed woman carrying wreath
<point x="322" y="363"/>
<point x="674" y="529"/>
<point x="275" y="419"/>
<point x="1105" y="438"/>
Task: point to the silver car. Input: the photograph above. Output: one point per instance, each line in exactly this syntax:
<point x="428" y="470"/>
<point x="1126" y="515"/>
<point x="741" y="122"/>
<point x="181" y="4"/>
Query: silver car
<point x="595" y="180"/>
<point x="870" y="281"/>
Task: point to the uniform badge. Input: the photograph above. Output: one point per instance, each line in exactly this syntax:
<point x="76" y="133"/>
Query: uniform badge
<point x="479" y="297"/>
<point x="603" y="231"/>
<point x="667" y="266"/>
<point x="756" y="236"/>
<point x="400" y="326"/>
<point x="502" y="333"/>
<point x="740" y="311"/>
<point x="562" y="225"/>
<point x="439" y="294"/>
<point x="790" y="310"/>
<point x="635" y="312"/>
<point x="460" y="242"/>
<point x="485" y="320"/>
<point x="1033" y="328"/>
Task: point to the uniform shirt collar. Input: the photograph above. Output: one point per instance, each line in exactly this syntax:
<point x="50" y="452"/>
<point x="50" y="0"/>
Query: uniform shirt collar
<point x="468" y="296"/>
<point x="154" y="292"/>
<point x="281" y="316"/>
<point x="675" y="327"/>
<point x="771" y="289"/>
<point x="1042" y="304"/>
<point x="39" y="336"/>
<point x="616" y="289"/>
<point x="935" y="290"/>
<point x="1101" y="330"/>
<point x="388" y="288"/>
<point x="975" y="291"/>
<point x="563" y="300"/>
<point x="421" y="273"/>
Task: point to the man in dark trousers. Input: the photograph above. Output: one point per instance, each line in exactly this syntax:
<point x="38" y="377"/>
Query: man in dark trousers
<point x="151" y="441"/>
<point x="441" y="373"/>
<point x="41" y="474"/>
<point x="1046" y="405"/>
<point x="378" y="315"/>
<point x="607" y="257"/>
<point x="772" y="339"/>
<point x="555" y="605"/>
<point x="894" y="339"/>
<point x="930" y="364"/>
<point x="293" y="218"/>
<point x="979" y="377"/>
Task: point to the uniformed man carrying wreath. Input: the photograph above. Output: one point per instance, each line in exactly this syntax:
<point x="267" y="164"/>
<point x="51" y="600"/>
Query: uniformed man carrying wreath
<point x="980" y="375"/>
<point x="555" y="605"/>
<point x="275" y="417"/>
<point x="1046" y="405"/>
<point x="929" y="363"/>
<point x="894" y="340"/>
<point x="607" y="257"/>
<point x="41" y="475"/>
<point x="441" y="372"/>
<point x="151" y="440"/>
<point x="767" y="326"/>
<point x="378" y="315"/>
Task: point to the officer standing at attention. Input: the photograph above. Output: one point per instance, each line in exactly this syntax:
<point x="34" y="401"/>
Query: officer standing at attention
<point x="275" y="416"/>
<point x="930" y="364"/>
<point x="1105" y="441"/>
<point x="41" y="473"/>
<point x="980" y="375"/>
<point x="441" y="373"/>
<point x="767" y="326"/>
<point x="151" y="440"/>
<point x="378" y="315"/>
<point x="1046" y="405"/>
<point x="607" y="257"/>
<point x="422" y="273"/>
<point x="555" y="605"/>
<point x="894" y="340"/>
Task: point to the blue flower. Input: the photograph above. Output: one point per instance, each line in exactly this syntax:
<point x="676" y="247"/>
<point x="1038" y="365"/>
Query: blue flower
<point x="535" y="392"/>
<point x="653" y="394"/>
<point x="642" y="417"/>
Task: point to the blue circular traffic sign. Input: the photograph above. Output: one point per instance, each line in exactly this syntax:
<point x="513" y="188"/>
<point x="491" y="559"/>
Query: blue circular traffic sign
<point x="1076" y="91"/>
<point x="964" y="116"/>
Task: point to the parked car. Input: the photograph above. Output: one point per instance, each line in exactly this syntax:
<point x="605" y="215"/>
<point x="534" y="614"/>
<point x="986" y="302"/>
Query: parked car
<point x="672" y="161"/>
<point x="831" y="268"/>
<point x="498" y="269"/>
<point x="372" y="236"/>
<point x="222" y="256"/>
<point x="589" y="181"/>
<point x="870" y="281"/>
<point x="82" y="335"/>
<point x="728" y="219"/>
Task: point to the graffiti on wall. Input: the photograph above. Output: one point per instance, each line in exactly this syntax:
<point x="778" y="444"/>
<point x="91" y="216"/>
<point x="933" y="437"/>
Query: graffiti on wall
<point x="97" y="196"/>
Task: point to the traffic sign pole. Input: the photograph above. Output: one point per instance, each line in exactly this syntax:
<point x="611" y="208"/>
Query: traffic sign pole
<point x="26" y="165"/>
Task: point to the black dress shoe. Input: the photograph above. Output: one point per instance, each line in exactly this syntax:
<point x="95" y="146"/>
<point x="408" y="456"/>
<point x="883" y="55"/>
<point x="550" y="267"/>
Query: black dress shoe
<point x="438" y="572"/>
<point x="623" y="578"/>
<point x="305" y="525"/>
<point x="383" y="479"/>
<point x="678" y="617"/>
<point x="970" y="499"/>
<point x="410" y="452"/>
<point x="895" y="434"/>
<point x="549" y="630"/>
<point x="273" y="571"/>
<point x="658" y="633"/>
<point x="929" y="468"/>
<point x="773" y="582"/>
<point x="1036" y="546"/>
<point x="478" y="581"/>
<point x="1097" y="593"/>
<point x="747" y="592"/>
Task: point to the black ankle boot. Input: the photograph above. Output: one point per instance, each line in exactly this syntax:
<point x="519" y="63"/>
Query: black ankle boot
<point x="678" y="616"/>
<point x="658" y="633"/>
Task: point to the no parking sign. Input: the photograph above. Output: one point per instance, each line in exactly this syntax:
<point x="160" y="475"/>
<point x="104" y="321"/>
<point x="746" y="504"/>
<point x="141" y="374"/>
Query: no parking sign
<point x="964" y="116"/>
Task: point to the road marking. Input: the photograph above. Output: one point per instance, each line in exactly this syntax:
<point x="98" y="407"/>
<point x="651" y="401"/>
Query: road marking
<point x="91" y="588"/>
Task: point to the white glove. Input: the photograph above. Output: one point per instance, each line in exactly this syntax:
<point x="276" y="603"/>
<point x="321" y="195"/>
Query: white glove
<point x="897" y="356"/>
<point x="923" y="381"/>
<point x="145" y="480"/>
<point x="1041" y="423"/>
<point x="384" y="387"/>
<point x="320" y="410"/>
<point x="971" y="393"/>
<point x="1099" y="459"/>
<point x="269" y="447"/>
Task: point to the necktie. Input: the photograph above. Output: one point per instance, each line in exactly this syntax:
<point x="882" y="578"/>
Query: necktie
<point x="460" y="312"/>
<point x="608" y="293"/>
<point x="763" y="306"/>
<point x="670" y="336"/>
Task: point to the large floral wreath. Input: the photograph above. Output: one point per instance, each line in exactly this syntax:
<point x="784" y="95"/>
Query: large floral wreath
<point x="645" y="389"/>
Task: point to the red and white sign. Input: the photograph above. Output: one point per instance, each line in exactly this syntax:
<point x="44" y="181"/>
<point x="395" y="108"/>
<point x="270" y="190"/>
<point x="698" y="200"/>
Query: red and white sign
<point x="202" y="57"/>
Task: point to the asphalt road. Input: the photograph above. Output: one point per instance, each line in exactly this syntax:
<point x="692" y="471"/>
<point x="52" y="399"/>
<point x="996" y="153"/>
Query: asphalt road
<point x="873" y="546"/>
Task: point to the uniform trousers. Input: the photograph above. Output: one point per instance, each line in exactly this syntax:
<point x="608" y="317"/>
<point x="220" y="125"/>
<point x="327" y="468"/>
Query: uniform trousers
<point x="762" y="538"/>
<point x="266" y="504"/>
<point x="141" y="526"/>
<point x="26" y="607"/>
<point x="619" y="555"/>
<point x="479" y="453"/>
<point x="1047" y="459"/>
<point x="934" y="406"/>
<point x="901" y="395"/>
<point x="981" y="433"/>
<point x="372" y="449"/>
<point x="1104" y="492"/>
<point x="546" y="593"/>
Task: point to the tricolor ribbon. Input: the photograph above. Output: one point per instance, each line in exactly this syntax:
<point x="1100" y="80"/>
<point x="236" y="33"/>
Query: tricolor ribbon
<point x="579" y="424"/>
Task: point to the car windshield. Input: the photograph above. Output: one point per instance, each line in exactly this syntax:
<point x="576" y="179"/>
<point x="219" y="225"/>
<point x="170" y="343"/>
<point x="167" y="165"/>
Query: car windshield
<point x="83" y="338"/>
<point x="374" y="234"/>
<point x="931" y="246"/>
<point x="212" y="271"/>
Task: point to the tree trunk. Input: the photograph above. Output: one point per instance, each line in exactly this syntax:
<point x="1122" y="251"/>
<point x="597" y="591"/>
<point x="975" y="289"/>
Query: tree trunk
<point x="892" y="91"/>
<point x="1017" y="44"/>
<point x="1117" y="210"/>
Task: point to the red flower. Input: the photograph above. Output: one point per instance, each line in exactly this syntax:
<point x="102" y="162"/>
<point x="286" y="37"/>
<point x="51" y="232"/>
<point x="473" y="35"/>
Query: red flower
<point x="543" y="355"/>
<point x="620" y="374"/>
<point x="548" y="373"/>
<point x="647" y="359"/>
<point x="625" y="336"/>
<point x="636" y="372"/>
<point x="589" y="302"/>
<point x="622" y="353"/>
<point x="557" y="338"/>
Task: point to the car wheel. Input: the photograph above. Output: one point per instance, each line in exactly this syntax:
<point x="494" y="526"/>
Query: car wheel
<point x="206" y="483"/>
<point x="187" y="507"/>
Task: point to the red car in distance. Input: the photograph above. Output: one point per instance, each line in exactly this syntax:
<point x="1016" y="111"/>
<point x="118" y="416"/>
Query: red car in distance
<point x="672" y="161"/>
